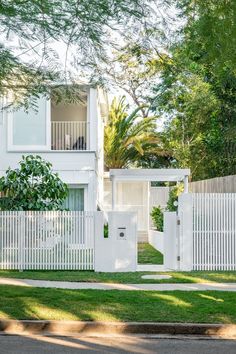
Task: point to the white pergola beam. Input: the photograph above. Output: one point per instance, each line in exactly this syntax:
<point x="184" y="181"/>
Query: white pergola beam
<point x="148" y="175"/>
<point x="152" y="175"/>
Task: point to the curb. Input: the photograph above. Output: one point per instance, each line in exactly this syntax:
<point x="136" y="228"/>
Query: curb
<point x="114" y="328"/>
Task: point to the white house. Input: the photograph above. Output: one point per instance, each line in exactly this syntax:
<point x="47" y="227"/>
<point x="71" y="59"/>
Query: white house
<point x="69" y="135"/>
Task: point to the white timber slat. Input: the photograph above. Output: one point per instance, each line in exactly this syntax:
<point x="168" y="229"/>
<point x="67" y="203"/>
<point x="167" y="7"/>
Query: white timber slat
<point x="69" y="135"/>
<point x="47" y="240"/>
<point x="214" y="231"/>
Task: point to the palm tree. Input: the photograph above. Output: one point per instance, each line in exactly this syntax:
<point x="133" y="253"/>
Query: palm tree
<point x="128" y="137"/>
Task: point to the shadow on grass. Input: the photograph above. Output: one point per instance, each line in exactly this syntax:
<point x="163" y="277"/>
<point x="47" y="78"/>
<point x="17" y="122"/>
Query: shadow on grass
<point x="115" y="305"/>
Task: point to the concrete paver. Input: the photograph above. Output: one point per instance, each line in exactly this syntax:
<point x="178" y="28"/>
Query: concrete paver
<point x="113" y="286"/>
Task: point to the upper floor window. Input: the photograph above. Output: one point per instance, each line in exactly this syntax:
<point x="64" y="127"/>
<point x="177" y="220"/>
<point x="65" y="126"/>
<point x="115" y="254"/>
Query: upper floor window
<point x="29" y="130"/>
<point x="55" y="125"/>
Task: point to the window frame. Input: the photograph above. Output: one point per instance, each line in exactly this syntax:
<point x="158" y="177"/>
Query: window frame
<point x="30" y="148"/>
<point x="85" y="188"/>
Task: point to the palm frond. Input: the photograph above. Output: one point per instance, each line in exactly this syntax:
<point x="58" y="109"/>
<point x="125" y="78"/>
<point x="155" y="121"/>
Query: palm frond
<point x="128" y="137"/>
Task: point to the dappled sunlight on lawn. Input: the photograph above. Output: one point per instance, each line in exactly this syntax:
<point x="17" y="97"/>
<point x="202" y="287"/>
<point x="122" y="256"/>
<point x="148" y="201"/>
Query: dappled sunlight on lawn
<point x="173" y="300"/>
<point x="211" y="298"/>
<point x="102" y="315"/>
<point x="37" y="310"/>
<point x="222" y="318"/>
<point x="203" y="277"/>
<point x="5" y="315"/>
<point x="71" y="305"/>
<point x="116" y="305"/>
<point x="187" y="278"/>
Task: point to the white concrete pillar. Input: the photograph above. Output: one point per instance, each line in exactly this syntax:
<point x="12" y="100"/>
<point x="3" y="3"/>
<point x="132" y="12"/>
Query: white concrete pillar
<point x="185" y="213"/>
<point x="170" y="240"/>
<point x="93" y="120"/>
<point x="113" y="201"/>
<point x="118" y="252"/>
<point x="185" y="184"/>
<point x="148" y="206"/>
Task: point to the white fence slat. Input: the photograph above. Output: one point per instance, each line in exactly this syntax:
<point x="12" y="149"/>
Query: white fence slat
<point x="47" y="240"/>
<point x="69" y="135"/>
<point x="214" y="231"/>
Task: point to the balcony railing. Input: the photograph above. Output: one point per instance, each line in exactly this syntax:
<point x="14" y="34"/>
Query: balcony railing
<point x="67" y="135"/>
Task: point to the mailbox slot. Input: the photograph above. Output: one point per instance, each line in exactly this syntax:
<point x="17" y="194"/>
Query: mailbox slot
<point x="121" y="233"/>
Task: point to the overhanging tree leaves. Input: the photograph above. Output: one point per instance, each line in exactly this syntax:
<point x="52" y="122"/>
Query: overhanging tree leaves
<point x="30" y="29"/>
<point x="33" y="186"/>
<point x="134" y="69"/>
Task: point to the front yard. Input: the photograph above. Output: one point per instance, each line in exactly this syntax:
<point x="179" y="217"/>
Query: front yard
<point x="148" y="254"/>
<point x="98" y="305"/>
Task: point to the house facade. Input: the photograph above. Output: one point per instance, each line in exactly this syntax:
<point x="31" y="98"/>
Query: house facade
<point x="69" y="135"/>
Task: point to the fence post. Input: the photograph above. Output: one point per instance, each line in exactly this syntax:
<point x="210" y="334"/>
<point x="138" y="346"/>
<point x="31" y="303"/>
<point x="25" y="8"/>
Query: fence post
<point x="21" y="240"/>
<point x="170" y="240"/>
<point x="185" y="213"/>
<point x="99" y="247"/>
<point x="117" y="252"/>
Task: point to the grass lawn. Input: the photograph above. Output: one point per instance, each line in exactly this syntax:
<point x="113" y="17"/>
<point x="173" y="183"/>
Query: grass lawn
<point x="114" y="305"/>
<point x="148" y="254"/>
<point x="122" y="278"/>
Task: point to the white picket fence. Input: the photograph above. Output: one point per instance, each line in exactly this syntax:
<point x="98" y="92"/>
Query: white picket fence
<point x="47" y="240"/>
<point x="214" y="231"/>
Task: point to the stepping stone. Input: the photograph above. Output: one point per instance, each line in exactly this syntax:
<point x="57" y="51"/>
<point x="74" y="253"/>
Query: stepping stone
<point x="156" y="276"/>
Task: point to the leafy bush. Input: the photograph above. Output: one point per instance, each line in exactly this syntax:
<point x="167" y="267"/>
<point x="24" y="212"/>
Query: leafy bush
<point x="32" y="186"/>
<point x="157" y="218"/>
<point x="157" y="212"/>
<point x="173" y="197"/>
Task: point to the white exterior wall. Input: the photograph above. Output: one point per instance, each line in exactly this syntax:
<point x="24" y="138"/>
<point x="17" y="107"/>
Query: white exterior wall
<point x="159" y="196"/>
<point x="131" y="196"/>
<point x="156" y="239"/>
<point x="74" y="167"/>
<point x="170" y="240"/>
<point x="101" y="120"/>
<point x="71" y="112"/>
<point x="115" y="253"/>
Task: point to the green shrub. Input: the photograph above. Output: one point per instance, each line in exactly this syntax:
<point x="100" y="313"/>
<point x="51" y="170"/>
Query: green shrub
<point x="106" y="231"/>
<point x="173" y="197"/>
<point x="157" y="212"/>
<point x="157" y="218"/>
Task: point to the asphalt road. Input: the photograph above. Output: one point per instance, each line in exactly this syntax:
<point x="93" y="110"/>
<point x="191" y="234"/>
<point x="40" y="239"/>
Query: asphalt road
<point x="11" y="344"/>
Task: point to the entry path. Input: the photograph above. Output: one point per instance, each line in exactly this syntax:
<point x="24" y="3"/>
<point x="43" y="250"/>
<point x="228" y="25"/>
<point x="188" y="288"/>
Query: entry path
<point x="115" y="286"/>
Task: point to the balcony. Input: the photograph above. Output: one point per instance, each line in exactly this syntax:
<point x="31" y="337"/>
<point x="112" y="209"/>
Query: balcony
<point x="69" y="135"/>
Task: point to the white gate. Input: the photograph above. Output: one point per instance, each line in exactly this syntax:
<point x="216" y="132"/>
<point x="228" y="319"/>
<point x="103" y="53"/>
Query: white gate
<point x="47" y="240"/>
<point x="214" y="231"/>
